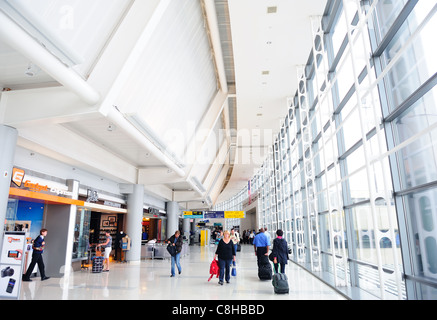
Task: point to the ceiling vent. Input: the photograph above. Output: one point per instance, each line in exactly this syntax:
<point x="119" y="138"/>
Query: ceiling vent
<point x="272" y="9"/>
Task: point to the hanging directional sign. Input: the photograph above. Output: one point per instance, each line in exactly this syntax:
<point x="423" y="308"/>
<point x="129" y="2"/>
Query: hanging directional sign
<point x="234" y="215"/>
<point x="214" y="214"/>
<point x="193" y="214"/>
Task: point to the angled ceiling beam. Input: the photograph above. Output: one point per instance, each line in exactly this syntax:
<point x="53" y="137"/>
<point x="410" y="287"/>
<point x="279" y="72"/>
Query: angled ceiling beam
<point x="17" y="38"/>
<point x="119" y="120"/>
<point x="210" y="16"/>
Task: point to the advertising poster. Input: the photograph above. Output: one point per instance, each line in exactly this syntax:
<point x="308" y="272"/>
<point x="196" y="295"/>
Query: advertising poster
<point x="11" y="264"/>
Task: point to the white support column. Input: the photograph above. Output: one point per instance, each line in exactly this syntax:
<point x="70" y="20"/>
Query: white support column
<point x="172" y="218"/>
<point x="135" y="203"/>
<point x="8" y="141"/>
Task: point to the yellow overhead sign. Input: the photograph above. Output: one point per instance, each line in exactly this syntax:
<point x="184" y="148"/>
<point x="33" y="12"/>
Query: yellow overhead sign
<point x="234" y="214"/>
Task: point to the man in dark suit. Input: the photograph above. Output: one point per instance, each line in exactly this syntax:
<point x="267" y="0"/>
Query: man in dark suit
<point x="38" y="249"/>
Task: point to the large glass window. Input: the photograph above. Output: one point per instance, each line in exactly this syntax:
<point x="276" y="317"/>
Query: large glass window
<point x="363" y="155"/>
<point x="415" y="52"/>
<point x="418" y="159"/>
<point x="81" y="241"/>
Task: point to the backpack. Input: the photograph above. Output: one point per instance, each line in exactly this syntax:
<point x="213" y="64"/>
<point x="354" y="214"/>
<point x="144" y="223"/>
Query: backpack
<point x="214" y="269"/>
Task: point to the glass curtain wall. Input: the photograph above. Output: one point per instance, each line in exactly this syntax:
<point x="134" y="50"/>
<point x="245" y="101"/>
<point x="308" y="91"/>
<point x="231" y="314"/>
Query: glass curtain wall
<point x="352" y="176"/>
<point x="406" y="68"/>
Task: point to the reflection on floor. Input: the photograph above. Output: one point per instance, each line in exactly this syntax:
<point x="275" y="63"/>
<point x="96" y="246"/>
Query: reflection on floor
<point x="150" y="280"/>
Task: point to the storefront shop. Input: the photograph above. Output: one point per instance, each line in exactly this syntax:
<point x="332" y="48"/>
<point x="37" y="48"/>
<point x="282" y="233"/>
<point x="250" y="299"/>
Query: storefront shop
<point x="153" y="225"/>
<point x="154" y="230"/>
<point x="49" y="202"/>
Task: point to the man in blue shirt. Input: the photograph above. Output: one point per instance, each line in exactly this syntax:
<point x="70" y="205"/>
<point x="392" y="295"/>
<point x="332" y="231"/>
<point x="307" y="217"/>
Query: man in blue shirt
<point x="261" y="244"/>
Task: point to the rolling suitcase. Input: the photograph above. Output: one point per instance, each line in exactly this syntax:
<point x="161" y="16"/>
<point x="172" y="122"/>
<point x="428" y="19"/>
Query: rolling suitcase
<point x="263" y="260"/>
<point x="265" y="271"/>
<point x="280" y="283"/>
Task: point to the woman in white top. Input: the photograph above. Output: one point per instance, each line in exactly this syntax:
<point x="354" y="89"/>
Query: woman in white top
<point x="108" y="248"/>
<point x="235" y="238"/>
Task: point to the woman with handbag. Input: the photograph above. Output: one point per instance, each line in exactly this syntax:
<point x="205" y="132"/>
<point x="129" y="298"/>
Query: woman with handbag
<point x="226" y="254"/>
<point x="176" y="242"/>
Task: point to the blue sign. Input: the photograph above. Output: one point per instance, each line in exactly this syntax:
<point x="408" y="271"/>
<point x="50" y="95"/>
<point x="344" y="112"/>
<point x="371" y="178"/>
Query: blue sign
<point x="214" y="214"/>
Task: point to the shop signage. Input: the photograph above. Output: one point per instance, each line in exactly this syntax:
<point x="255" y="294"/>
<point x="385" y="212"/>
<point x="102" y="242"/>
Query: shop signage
<point x="21" y="180"/>
<point x="17" y="176"/>
<point x="112" y="204"/>
<point x="93" y="195"/>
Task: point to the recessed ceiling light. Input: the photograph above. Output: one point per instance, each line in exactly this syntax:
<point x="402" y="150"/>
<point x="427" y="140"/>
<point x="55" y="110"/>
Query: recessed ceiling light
<point x="272" y="9"/>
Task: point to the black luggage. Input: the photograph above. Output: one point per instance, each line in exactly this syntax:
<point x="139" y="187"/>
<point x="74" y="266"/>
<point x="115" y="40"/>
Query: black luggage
<point x="264" y="271"/>
<point x="280" y="283"/>
<point x="97" y="264"/>
<point x="263" y="260"/>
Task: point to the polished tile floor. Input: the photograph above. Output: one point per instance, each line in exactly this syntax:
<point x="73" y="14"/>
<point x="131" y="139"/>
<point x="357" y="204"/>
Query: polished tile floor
<point x="150" y="280"/>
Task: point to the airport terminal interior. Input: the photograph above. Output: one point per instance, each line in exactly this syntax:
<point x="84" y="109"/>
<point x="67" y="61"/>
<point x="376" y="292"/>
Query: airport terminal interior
<point x="125" y="121"/>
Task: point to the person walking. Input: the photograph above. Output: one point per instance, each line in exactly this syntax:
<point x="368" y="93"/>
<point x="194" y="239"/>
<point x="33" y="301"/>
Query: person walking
<point x="251" y="236"/>
<point x="261" y="244"/>
<point x="38" y="249"/>
<point x="226" y="254"/>
<point x="280" y="251"/>
<point x="267" y="234"/>
<point x="176" y="240"/>
<point x="235" y="238"/>
<point x="108" y="248"/>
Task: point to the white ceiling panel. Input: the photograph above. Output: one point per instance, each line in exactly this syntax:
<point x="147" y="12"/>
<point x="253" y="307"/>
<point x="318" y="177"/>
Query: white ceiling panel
<point x="268" y="46"/>
<point x="75" y="31"/>
<point x="174" y="83"/>
<point x="112" y="138"/>
<point x="164" y="80"/>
